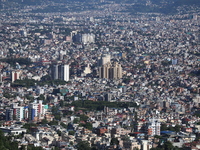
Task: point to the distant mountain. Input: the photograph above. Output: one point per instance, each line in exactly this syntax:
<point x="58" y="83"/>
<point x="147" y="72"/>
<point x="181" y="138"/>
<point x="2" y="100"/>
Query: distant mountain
<point x="175" y="2"/>
<point x="146" y="6"/>
<point x="159" y="6"/>
<point x="186" y="2"/>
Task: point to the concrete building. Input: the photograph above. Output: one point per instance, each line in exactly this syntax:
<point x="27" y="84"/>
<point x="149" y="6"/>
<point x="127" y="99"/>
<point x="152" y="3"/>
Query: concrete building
<point x="60" y="71"/>
<point x="111" y="71"/>
<point x="104" y="59"/>
<point x="15" y="75"/>
<point x="88" y="38"/>
<point x="36" y="110"/>
<point x="9" y="114"/>
<point x="18" y="112"/>
<point x="13" y="130"/>
<point x="153" y="127"/>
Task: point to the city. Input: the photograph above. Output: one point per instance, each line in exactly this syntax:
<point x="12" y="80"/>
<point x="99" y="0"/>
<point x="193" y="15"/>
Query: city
<point x="104" y="75"/>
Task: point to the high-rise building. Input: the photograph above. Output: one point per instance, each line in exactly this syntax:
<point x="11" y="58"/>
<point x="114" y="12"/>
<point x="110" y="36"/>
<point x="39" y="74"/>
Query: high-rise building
<point x="88" y="38"/>
<point x="153" y="127"/>
<point x="60" y="71"/>
<point x="64" y="72"/>
<point x="78" y="37"/>
<point x="9" y="114"/>
<point x="1" y="77"/>
<point x="18" y="112"/>
<point x="104" y="59"/>
<point x="110" y="71"/>
<point x="36" y="110"/>
<point x="54" y="71"/>
<point x="108" y="97"/>
<point x="195" y="17"/>
<point x="15" y="75"/>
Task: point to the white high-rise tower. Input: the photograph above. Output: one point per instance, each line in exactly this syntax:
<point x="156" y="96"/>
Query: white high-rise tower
<point x="65" y="72"/>
<point x="60" y="71"/>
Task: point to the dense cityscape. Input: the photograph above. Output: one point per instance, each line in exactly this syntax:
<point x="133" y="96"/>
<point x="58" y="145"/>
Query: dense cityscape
<point x="99" y="75"/>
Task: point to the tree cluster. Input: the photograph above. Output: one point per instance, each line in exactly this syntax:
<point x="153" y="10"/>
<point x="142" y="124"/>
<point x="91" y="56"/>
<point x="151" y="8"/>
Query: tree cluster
<point x="31" y="82"/>
<point x="99" y="105"/>
<point x="13" y="61"/>
<point x="164" y="127"/>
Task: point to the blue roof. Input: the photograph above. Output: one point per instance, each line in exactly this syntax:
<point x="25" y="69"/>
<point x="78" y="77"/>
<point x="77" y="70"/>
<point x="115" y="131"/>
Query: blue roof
<point x="166" y="132"/>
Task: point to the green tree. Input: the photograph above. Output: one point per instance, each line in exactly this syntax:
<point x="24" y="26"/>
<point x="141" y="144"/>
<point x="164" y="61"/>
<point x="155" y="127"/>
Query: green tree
<point x="157" y="136"/>
<point x="155" y="148"/>
<point x="83" y="145"/>
<point x="61" y="103"/>
<point x="53" y="123"/>
<point x="59" y="132"/>
<point x="6" y="144"/>
<point x="13" y="61"/>
<point x="7" y="95"/>
<point x="168" y="145"/>
<point x="163" y="127"/>
<point x="87" y="125"/>
<point x="170" y="128"/>
<point x="32" y="147"/>
<point x="63" y="125"/>
<point x="44" y="121"/>
<point x="41" y="97"/>
<point x="71" y="132"/>
<point x="76" y="120"/>
<point x="58" y="116"/>
<point x="83" y="117"/>
<point x="177" y="128"/>
<point x="28" y="126"/>
<point x="114" y="141"/>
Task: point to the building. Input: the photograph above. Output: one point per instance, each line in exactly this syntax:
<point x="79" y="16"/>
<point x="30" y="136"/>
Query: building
<point x="13" y="130"/>
<point x="60" y="71"/>
<point x="108" y="97"/>
<point x="88" y="38"/>
<point x="111" y="71"/>
<point x="104" y="59"/>
<point x="76" y="37"/>
<point x="36" y="111"/>
<point x="18" y="112"/>
<point x="87" y="70"/>
<point x="131" y="144"/>
<point x="15" y="75"/>
<point x="153" y="127"/>
<point x="9" y="114"/>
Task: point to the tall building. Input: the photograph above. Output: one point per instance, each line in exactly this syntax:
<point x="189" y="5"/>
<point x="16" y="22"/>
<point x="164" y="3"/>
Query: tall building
<point x="15" y="75"/>
<point x="15" y="113"/>
<point x="78" y="37"/>
<point x="9" y="114"/>
<point x="88" y="38"/>
<point x="36" y="110"/>
<point x="18" y="112"/>
<point x="1" y="77"/>
<point x="108" y="97"/>
<point x="60" y="71"/>
<point x="54" y="71"/>
<point x="104" y="59"/>
<point x="153" y="127"/>
<point x="110" y="71"/>
<point x="195" y="17"/>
